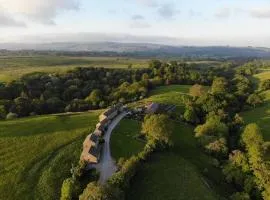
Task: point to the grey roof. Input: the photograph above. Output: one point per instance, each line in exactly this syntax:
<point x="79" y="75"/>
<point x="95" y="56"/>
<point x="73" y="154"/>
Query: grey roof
<point x="153" y="107"/>
<point x="94" y="151"/>
<point x="94" y="137"/>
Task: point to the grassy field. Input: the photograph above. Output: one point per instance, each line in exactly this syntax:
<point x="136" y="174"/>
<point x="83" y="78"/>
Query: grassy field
<point x="182" y="173"/>
<point x="172" y="94"/>
<point x="185" y="172"/>
<point x="261" y="114"/>
<point x="123" y="143"/>
<point x="36" y="153"/>
<point x="14" y="67"/>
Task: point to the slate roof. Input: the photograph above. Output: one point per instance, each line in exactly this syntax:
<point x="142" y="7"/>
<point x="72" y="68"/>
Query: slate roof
<point x="94" y="137"/>
<point x="152" y="108"/>
<point x="94" y="151"/>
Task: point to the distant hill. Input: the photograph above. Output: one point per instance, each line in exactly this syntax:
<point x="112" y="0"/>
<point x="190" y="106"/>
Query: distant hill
<point x="144" y="49"/>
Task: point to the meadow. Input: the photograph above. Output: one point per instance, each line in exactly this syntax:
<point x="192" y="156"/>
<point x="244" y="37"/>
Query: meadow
<point x="261" y="114"/>
<point x="36" y="153"/>
<point x="172" y="94"/>
<point x="14" y="67"/>
<point x="184" y="172"/>
<point x="123" y="141"/>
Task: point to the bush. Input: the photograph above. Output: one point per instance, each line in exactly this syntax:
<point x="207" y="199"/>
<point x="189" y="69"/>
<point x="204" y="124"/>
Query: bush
<point x="11" y="116"/>
<point x="69" y="189"/>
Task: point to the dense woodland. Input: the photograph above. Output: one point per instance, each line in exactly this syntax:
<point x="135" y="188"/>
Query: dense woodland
<point x="91" y="88"/>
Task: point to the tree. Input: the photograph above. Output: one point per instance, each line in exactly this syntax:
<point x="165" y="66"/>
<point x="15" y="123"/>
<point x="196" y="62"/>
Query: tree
<point x="218" y="148"/>
<point x="68" y="189"/>
<point x="190" y="115"/>
<point x="254" y="100"/>
<point x="212" y="127"/>
<point x="240" y="196"/>
<point x="23" y="106"/>
<point x="55" y="105"/>
<point x="3" y="112"/>
<point x="265" y="85"/>
<point x="197" y="90"/>
<point x="158" y="127"/>
<point x="92" y="192"/>
<point x="11" y="116"/>
<point x="253" y="142"/>
<point x="219" y="86"/>
<point x="95" y="96"/>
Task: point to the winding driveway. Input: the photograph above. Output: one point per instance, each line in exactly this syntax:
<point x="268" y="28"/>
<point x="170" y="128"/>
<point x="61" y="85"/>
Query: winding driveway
<point x="106" y="165"/>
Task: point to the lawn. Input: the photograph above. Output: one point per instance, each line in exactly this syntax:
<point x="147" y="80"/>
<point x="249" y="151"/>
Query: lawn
<point x="123" y="141"/>
<point x="182" y="173"/>
<point x="36" y="153"/>
<point x="13" y="67"/>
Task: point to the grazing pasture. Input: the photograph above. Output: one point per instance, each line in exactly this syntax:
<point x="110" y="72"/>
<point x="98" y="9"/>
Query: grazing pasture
<point x="36" y="153"/>
<point x="261" y="114"/>
<point x="172" y="94"/>
<point x="123" y="140"/>
<point x="185" y="172"/>
<point x="14" y="67"/>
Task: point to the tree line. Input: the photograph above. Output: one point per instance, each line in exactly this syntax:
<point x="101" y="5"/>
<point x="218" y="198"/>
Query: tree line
<point x="239" y="151"/>
<point x="91" y="88"/>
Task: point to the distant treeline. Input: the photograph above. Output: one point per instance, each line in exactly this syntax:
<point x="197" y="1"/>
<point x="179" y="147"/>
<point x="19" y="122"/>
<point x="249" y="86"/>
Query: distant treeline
<point x="185" y="52"/>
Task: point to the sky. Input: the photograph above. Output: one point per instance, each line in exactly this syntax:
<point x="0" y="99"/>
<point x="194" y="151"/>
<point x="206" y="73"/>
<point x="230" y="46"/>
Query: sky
<point x="194" y="22"/>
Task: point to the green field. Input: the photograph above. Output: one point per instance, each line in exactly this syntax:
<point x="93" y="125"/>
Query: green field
<point x="172" y="94"/>
<point x="261" y="114"/>
<point x="14" y="67"/>
<point x="178" y="174"/>
<point x="36" y="153"/>
<point x="183" y="173"/>
<point x="123" y="141"/>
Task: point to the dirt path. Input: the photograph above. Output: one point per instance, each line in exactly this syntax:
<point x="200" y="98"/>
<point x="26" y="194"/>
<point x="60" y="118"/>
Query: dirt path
<point x="107" y="165"/>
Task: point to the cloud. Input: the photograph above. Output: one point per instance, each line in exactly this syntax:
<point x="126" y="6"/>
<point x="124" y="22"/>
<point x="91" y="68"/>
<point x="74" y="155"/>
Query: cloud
<point x="7" y="21"/>
<point x="43" y="11"/>
<point x="193" y="13"/>
<point x="137" y="17"/>
<point x="149" y="3"/>
<point x="167" y="11"/>
<point x="139" y="24"/>
<point x="138" y="21"/>
<point x="260" y="12"/>
<point x="223" y="13"/>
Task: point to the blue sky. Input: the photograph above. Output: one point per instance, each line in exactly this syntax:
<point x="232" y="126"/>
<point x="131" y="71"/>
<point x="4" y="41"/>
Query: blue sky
<point x="233" y="22"/>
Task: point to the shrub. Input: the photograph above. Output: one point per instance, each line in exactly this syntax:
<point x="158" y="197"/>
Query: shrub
<point x="11" y="116"/>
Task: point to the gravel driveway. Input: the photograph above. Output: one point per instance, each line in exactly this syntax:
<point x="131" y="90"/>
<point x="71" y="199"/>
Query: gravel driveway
<point x="106" y="165"/>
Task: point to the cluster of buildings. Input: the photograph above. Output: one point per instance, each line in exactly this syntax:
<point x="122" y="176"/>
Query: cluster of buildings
<point x="92" y="143"/>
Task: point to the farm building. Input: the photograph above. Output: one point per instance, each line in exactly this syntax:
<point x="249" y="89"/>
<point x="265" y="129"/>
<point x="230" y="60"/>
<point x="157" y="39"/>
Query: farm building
<point x="91" y="155"/>
<point x="152" y="108"/>
<point x="94" y="139"/>
<point x="98" y="132"/>
<point x="111" y="112"/>
<point x="102" y="125"/>
<point x="91" y="148"/>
